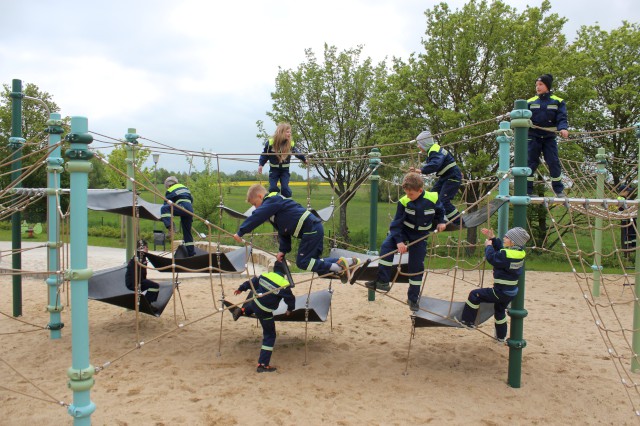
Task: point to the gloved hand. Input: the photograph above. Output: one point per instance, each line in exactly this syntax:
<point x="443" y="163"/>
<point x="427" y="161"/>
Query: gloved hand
<point x="237" y="292"/>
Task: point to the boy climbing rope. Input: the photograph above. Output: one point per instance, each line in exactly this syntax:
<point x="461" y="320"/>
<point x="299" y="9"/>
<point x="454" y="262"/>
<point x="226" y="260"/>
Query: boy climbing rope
<point x="417" y="215"/>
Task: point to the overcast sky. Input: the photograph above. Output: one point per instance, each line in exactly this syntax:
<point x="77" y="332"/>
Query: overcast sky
<point x="196" y="74"/>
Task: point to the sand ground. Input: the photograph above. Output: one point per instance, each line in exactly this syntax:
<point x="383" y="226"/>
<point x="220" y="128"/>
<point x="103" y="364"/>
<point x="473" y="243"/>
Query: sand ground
<point x="348" y="370"/>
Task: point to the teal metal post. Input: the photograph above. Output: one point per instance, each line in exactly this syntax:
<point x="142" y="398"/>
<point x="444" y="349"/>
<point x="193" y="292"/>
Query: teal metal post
<point x="520" y="122"/>
<point x="54" y="170"/>
<point x="504" y="150"/>
<point x="15" y="144"/>
<point x="374" y="160"/>
<point x="597" y="259"/>
<point x="132" y="138"/>
<point x="635" y="364"/>
<point x="81" y="372"/>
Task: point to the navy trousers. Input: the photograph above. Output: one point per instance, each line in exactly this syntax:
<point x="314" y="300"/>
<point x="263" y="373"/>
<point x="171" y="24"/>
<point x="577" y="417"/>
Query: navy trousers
<point x="447" y="188"/>
<point x="280" y="174"/>
<point x="488" y="295"/>
<point x="417" y="253"/>
<point x="310" y="250"/>
<point x="186" y="221"/>
<point x="548" y="147"/>
<point x="268" y="331"/>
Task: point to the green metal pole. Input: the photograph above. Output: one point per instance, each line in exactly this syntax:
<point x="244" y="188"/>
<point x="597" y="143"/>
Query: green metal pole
<point x="374" y="160"/>
<point x="54" y="169"/>
<point x="132" y="138"/>
<point x="15" y="144"/>
<point x="597" y="260"/>
<point x="520" y="122"/>
<point x="635" y="365"/>
<point x="81" y="372"/>
<point x="504" y="150"/>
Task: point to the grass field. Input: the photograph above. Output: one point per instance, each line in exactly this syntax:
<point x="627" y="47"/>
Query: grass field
<point x="358" y="219"/>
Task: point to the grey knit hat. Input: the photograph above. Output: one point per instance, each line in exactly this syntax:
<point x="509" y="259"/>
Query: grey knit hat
<point x="518" y="235"/>
<point x="425" y="140"/>
<point x="171" y="180"/>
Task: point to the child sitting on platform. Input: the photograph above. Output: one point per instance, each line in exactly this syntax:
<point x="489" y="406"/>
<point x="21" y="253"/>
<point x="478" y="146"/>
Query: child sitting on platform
<point x="508" y="264"/>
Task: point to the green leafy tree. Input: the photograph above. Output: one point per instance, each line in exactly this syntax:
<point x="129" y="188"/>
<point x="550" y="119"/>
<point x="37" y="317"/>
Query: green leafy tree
<point x="328" y="106"/>
<point x="205" y="188"/>
<point x="606" y="78"/>
<point x="115" y="172"/>
<point x="34" y="119"/>
<point x="476" y="62"/>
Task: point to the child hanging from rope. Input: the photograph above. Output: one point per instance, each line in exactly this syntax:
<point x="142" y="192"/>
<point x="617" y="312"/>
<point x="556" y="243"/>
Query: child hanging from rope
<point x="152" y="288"/>
<point x="290" y="219"/>
<point x="280" y="146"/>
<point x="508" y="264"/>
<point x="441" y="162"/>
<point x="275" y="288"/>
<point x="417" y="214"/>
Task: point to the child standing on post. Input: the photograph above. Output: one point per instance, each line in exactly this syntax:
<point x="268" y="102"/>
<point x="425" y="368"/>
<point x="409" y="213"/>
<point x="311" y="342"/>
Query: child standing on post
<point x="508" y="264"/>
<point x="277" y="151"/>
<point x="441" y="162"/>
<point x="290" y="219"/>
<point x="275" y="287"/>
<point x="417" y="215"/>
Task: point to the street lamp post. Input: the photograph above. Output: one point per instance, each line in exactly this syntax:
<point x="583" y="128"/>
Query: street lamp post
<point x="156" y="157"/>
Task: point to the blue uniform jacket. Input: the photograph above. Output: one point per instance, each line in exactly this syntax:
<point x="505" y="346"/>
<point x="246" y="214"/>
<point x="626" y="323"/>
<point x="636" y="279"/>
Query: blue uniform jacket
<point x="179" y="194"/>
<point x="267" y="282"/>
<point x="273" y="159"/>
<point x="415" y="219"/>
<point x="547" y="110"/>
<point x="508" y="265"/>
<point x="287" y="216"/>
<point x="441" y="162"/>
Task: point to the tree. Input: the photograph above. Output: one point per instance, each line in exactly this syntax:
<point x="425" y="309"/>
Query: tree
<point x="606" y="74"/>
<point x="115" y="173"/>
<point x="328" y="106"/>
<point x="205" y="188"/>
<point x="34" y="122"/>
<point x="476" y="62"/>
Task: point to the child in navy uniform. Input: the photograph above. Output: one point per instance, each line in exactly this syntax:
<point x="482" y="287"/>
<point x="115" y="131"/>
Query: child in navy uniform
<point x="441" y="162"/>
<point x="180" y="195"/>
<point x="417" y="215"/>
<point x="508" y="264"/>
<point x="292" y="220"/>
<point x="274" y="287"/>
<point x="282" y="146"/>
<point x="152" y="288"/>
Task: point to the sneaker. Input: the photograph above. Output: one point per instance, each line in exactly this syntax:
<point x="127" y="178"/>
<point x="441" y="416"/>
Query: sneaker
<point x="414" y="306"/>
<point x="503" y="340"/>
<point x="561" y="194"/>
<point x="467" y="324"/>
<point x="377" y="285"/>
<point x="237" y="313"/>
<point x="265" y="369"/>
<point x="344" y="264"/>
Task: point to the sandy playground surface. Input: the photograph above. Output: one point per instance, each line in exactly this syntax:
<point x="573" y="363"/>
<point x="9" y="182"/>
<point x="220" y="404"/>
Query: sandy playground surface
<point x="354" y="366"/>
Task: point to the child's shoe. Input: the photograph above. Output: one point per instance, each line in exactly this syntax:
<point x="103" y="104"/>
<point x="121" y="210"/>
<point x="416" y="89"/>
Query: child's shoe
<point x="237" y="313"/>
<point x="377" y="285"/>
<point x="265" y="368"/>
<point x="414" y="305"/>
<point x="467" y="324"/>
